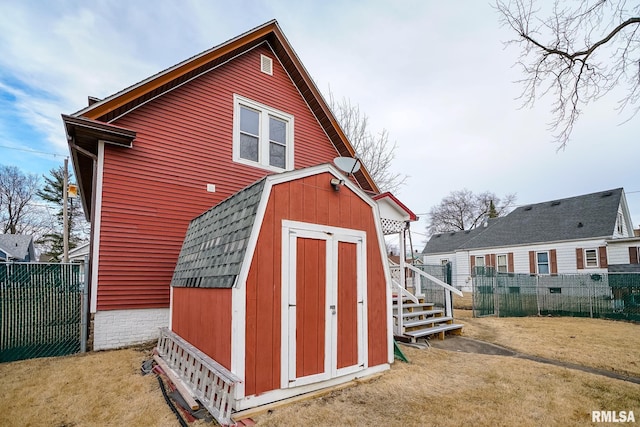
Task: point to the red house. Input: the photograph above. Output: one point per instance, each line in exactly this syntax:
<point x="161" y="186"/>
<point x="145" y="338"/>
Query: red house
<point x="282" y="289"/>
<point x="153" y="156"/>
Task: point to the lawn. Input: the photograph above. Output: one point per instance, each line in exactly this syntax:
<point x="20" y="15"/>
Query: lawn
<point x="438" y="387"/>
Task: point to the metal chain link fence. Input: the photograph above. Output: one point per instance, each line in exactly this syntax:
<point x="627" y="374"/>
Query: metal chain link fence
<point x="605" y="295"/>
<point x="40" y="310"/>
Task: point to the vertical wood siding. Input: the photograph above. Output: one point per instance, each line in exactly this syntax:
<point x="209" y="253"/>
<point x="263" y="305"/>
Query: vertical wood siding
<point x="184" y="142"/>
<point x="347" y="305"/>
<point x="312" y="200"/>
<point x="310" y="308"/>
<point x="203" y="317"/>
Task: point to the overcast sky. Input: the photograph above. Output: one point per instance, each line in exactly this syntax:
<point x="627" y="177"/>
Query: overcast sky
<point x="434" y="74"/>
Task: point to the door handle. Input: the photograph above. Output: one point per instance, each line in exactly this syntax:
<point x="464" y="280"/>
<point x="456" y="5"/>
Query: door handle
<point x="333" y="309"/>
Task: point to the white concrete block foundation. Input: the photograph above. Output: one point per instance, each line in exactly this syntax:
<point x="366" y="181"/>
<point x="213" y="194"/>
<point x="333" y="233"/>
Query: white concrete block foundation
<point x="121" y="328"/>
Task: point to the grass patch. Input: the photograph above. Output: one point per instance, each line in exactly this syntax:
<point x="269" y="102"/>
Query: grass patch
<point x="598" y="343"/>
<point x="438" y="387"/>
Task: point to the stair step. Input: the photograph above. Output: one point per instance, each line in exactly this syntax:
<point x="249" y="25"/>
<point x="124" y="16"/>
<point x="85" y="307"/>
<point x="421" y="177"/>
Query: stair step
<point x="412" y="305"/>
<point x="420" y="313"/>
<point x="436" y="329"/>
<point x="429" y="321"/>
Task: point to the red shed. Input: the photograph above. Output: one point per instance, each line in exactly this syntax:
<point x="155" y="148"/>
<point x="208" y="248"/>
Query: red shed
<point x="282" y="289"/>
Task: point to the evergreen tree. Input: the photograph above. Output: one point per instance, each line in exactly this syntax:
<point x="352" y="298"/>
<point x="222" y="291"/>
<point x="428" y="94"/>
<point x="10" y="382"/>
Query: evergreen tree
<point x="493" y="213"/>
<point x="52" y="193"/>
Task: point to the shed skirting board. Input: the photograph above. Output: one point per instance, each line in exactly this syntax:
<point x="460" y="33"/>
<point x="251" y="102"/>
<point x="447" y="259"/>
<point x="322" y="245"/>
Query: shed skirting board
<point x="280" y="394"/>
<point x="120" y="328"/>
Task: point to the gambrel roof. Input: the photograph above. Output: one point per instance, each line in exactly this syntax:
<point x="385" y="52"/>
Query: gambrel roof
<point x="217" y="240"/>
<point x="92" y="124"/>
<point x="574" y="218"/>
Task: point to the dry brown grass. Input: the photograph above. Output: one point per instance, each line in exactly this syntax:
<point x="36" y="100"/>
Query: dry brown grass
<point x="598" y="343"/>
<point x="438" y="388"/>
<point x="441" y="388"/>
<point x="96" y="389"/>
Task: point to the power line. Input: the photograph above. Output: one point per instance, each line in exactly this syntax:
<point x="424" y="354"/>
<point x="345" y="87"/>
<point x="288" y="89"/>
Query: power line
<point x="34" y="151"/>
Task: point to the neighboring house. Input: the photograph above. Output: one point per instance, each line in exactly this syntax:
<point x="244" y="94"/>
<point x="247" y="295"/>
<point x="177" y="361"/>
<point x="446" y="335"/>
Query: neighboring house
<point x="157" y="154"/>
<point x="579" y="234"/>
<point x="17" y="248"/>
<point x="78" y="253"/>
<point x="285" y="284"/>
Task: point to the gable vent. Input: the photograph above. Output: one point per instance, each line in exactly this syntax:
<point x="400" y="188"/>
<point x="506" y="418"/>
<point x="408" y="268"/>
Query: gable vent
<point x="556" y="203"/>
<point x="266" y="65"/>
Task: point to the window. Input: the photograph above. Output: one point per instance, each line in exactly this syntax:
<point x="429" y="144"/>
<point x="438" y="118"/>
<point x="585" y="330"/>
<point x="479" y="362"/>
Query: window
<point x="479" y="265"/>
<point x="555" y="290"/>
<point x="619" y="223"/>
<point x="542" y="259"/>
<point x="591" y="258"/>
<point x="262" y="136"/>
<point x="501" y="264"/>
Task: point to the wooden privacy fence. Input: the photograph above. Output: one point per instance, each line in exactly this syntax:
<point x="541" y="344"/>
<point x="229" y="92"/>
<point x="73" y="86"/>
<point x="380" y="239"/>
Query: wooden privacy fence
<point x="41" y="308"/>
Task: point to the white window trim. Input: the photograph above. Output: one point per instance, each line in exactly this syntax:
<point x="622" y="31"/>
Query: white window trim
<point x="506" y="264"/>
<point x="263" y="141"/>
<point x="481" y="258"/>
<point x="548" y="263"/>
<point x="586" y="264"/>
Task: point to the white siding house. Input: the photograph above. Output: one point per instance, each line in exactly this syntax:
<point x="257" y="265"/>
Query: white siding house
<point x="582" y="234"/>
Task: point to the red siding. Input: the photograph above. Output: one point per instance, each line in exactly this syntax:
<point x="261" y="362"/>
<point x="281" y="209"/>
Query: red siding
<point x="203" y="317"/>
<point x="312" y="200"/>
<point x="184" y="142"/>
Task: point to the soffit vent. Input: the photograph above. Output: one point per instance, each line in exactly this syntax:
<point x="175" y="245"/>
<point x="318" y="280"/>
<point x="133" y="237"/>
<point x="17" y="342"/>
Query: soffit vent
<point x="266" y="65"/>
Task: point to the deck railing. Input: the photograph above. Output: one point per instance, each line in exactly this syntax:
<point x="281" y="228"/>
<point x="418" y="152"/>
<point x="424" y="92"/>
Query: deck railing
<point x="210" y="382"/>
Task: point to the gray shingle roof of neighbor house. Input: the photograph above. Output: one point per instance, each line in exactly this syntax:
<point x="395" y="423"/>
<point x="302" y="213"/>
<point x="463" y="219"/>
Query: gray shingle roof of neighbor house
<point x="216" y="241"/>
<point x="17" y="246"/>
<point x="574" y="218"/>
<point x="450" y="241"/>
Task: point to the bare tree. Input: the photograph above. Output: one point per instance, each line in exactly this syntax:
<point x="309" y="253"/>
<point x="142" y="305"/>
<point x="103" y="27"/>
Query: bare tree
<point x="464" y="210"/>
<point x="18" y="213"/>
<point x="374" y="150"/>
<point x="578" y="53"/>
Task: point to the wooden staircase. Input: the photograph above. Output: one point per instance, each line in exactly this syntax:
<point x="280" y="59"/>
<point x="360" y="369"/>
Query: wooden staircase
<point x="421" y="320"/>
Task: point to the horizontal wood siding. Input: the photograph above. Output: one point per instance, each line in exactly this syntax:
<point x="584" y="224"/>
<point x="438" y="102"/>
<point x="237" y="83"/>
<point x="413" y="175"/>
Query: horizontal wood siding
<point x="311" y="200"/>
<point x="202" y="316"/>
<point x="184" y="142"/>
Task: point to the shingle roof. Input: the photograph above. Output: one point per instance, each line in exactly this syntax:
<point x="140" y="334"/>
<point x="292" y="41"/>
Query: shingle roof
<point x="450" y="241"/>
<point x="216" y="241"/>
<point x="574" y="218"/>
<point x="16" y="245"/>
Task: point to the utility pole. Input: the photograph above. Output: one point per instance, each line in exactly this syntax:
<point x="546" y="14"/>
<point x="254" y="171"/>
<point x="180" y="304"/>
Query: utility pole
<point x="65" y="213"/>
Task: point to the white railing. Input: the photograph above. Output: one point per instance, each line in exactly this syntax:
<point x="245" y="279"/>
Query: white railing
<point x="448" y="288"/>
<point x="210" y="382"/>
<point x="401" y="292"/>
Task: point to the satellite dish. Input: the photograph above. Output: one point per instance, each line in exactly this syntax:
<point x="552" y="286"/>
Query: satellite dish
<point x="347" y="164"/>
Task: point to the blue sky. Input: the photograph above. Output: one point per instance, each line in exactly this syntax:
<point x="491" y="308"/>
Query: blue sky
<point x="434" y="74"/>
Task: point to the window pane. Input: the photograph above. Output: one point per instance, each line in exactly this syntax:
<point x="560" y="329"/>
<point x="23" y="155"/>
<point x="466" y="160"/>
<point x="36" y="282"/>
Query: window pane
<point x="543" y="257"/>
<point x="249" y="147"/>
<point x="249" y="121"/>
<point x="543" y="268"/>
<point x="502" y="263"/>
<point x="277" y="130"/>
<point x="277" y="155"/>
<point x="479" y="261"/>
